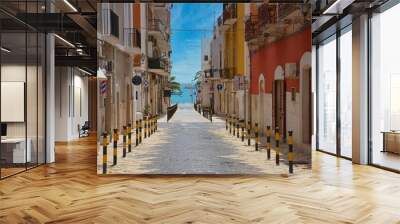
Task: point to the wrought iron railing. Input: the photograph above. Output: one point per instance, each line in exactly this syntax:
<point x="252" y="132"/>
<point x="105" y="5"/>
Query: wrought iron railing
<point x="229" y="11"/>
<point x="132" y="37"/>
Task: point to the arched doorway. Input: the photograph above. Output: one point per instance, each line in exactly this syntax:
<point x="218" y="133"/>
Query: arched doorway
<point x="279" y="101"/>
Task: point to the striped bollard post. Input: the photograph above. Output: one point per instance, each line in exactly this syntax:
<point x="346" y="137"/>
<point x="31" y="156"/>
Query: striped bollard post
<point x="115" y="145"/>
<point x="238" y="128"/>
<point x="129" y="137"/>
<point x="152" y="125"/>
<point x="105" y="144"/>
<point x="290" y="153"/>
<point x="124" y="141"/>
<point x="137" y="133"/>
<point x="269" y="142"/>
<point x="145" y="127"/>
<point x="226" y="122"/>
<point x="140" y="130"/>
<point x="256" y="135"/>
<point x="234" y="126"/>
<point x="230" y="125"/>
<point x="156" y="122"/>
<point x="148" y="127"/>
<point x="248" y="133"/>
<point x="277" y="149"/>
<point x="243" y="124"/>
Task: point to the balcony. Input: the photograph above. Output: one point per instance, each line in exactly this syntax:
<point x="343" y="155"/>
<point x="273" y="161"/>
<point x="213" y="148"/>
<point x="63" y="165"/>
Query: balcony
<point x="227" y="73"/>
<point x="158" y="66"/>
<point x="229" y="14"/>
<point x="252" y="28"/>
<point x="131" y="38"/>
<point x="267" y="14"/>
<point x="156" y="63"/>
<point x="156" y="25"/>
<point x="219" y="21"/>
<point x="158" y="29"/>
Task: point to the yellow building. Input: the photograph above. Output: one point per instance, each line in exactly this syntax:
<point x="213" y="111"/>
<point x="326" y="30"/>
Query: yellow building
<point x="234" y="63"/>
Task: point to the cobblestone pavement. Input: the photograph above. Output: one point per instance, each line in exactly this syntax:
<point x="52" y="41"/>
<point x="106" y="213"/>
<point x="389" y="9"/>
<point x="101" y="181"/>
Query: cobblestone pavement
<point x="191" y="144"/>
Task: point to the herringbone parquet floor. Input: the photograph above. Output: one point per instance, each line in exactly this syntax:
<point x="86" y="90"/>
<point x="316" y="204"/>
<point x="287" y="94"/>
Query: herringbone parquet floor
<point x="70" y="191"/>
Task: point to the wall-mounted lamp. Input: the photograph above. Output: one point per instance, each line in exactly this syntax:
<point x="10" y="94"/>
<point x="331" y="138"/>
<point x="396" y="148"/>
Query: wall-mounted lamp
<point x="84" y="71"/>
<point x="70" y="5"/>
<point x="5" y="50"/>
<point x="64" y="40"/>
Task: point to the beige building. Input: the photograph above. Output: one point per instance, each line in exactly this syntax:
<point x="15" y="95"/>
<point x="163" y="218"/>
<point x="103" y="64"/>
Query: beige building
<point x="118" y="42"/>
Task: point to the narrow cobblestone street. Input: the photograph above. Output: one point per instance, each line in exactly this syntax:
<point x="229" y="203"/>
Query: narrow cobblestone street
<point x="191" y="144"/>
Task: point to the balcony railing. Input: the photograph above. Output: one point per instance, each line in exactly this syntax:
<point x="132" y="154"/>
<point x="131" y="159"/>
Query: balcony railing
<point x="229" y="13"/>
<point x="219" y="20"/>
<point x="156" y="63"/>
<point x="227" y="73"/>
<point x="131" y="37"/>
<point x="268" y="14"/>
<point x="156" y="25"/>
<point x="252" y="27"/>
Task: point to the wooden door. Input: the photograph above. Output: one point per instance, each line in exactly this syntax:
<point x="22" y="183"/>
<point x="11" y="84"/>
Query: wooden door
<point x="280" y="106"/>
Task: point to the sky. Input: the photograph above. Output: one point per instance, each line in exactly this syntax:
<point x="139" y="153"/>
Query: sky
<point x="190" y="22"/>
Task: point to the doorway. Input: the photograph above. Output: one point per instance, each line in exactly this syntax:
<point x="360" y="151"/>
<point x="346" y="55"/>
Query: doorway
<point x="279" y="106"/>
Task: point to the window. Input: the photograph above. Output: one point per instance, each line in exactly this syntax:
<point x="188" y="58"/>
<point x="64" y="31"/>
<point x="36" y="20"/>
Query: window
<point x="385" y="89"/>
<point x="346" y="93"/>
<point x="326" y="136"/>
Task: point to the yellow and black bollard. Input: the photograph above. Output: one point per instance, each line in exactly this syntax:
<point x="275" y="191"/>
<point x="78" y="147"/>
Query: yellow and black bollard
<point x="137" y="133"/>
<point x="129" y="137"/>
<point x="153" y="122"/>
<point x="234" y="126"/>
<point x="277" y="149"/>
<point x="115" y="146"/>
<point x="140" y="130"/>
<point x="256" y="135"/>
<point x="124" y="141"/>
<point x="105" y="144"/>
<point x="248" y="133"/>
<point x="237" y="128"/>
<point x="148" y="127"/>
<point x="156" y="123"/>
<point x="226" y="122"/>
<point x="230" y="125"/>
<point x="145" y="127"/>
<point x="242" y="124"/>
<point x="269" y="142"/>
<point x="152" y="125"/>
<point x="290" y="153"/>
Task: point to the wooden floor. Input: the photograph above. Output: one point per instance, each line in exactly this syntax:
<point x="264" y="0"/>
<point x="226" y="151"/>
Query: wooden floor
<point x="70" y="191"/>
